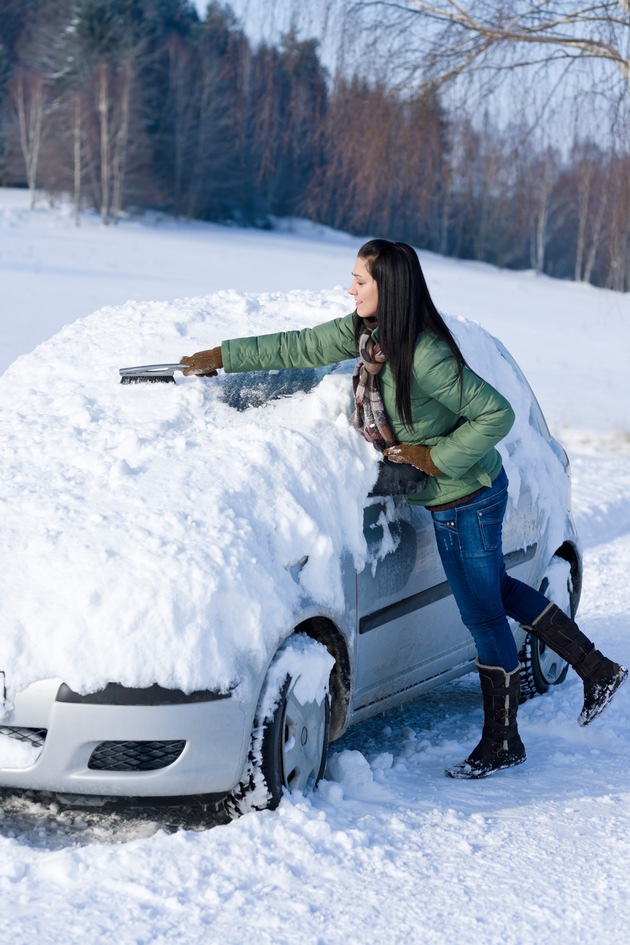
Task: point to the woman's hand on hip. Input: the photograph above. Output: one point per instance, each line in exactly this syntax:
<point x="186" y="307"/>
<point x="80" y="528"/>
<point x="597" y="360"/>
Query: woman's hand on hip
<point x="415" y="455"/>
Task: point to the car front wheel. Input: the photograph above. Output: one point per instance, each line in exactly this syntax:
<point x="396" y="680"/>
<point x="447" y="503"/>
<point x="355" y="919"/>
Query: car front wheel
<point x="290" y="737"/>
<point x="541" y="667"/>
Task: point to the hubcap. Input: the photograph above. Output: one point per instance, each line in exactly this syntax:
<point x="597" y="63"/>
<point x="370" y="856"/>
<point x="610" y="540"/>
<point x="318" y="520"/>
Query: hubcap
<point x="551" y="665"/>
<point x="303" y="739"/>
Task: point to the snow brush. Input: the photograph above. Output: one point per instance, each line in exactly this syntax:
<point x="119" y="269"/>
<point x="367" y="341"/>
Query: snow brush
<point x="150" y="373"/>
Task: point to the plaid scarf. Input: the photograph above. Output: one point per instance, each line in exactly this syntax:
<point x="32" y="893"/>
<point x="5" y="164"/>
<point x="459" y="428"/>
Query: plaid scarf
<point x="369" y="416"/>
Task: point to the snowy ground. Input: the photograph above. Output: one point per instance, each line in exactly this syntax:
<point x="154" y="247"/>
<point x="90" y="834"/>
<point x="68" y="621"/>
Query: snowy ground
<point x="387" y="850"/>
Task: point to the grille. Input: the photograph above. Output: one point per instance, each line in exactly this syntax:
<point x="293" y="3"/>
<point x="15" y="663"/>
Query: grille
<point x="33" y="736"/>
<point x="135" y="756"/>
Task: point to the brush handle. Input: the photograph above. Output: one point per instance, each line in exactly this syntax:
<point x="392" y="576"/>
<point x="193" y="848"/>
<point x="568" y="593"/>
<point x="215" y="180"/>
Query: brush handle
<point x="151" y="370"/>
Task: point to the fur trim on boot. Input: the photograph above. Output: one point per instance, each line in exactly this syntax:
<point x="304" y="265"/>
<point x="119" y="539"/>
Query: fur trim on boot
<point x="601" y="676"/>
<point x="500" y="746"/>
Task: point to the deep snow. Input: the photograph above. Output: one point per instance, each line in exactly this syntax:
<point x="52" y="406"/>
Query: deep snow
<point x="164" y="511"/>
<point x="387" y="850"/>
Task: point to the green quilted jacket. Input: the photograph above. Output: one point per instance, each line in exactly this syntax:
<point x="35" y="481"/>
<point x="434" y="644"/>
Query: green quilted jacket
<point x="462" y="427"/>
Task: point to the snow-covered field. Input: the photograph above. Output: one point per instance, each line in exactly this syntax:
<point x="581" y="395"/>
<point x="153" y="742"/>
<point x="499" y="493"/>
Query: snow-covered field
<point x="388" y="849"/>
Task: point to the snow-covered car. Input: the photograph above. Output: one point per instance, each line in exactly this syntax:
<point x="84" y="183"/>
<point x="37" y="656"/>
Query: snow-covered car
<point x="201" y="591"/>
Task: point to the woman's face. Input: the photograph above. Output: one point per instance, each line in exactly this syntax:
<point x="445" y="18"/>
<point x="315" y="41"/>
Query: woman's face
<point x="363" y="290"/>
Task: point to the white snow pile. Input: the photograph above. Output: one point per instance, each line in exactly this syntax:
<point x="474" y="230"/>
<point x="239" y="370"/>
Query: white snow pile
<point x="156" y="531"/>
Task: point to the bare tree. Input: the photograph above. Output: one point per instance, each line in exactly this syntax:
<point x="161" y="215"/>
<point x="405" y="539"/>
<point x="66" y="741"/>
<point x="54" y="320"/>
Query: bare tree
<point x="350" y="189"/>
<point x="181" y="105"/>
<point x="467" y="33"/>
<point x="103" y="105"/>
<point x="588" y="175"/>
<point x="617" y="243"/>
<point x="121" y="138"/>
<point x="113" y="88"/>
<point x="103" y="50"/>
<point x="594" y="244"/>
<point x="203" y="143"/>
<point x="544" y="178"/>
<point x="78" y="147"/>
<point x="27" y="92"/>
<point x="27" y="66"/>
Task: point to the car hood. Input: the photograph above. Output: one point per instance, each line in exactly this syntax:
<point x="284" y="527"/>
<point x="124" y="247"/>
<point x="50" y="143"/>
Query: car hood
<point x="150" y="531"/>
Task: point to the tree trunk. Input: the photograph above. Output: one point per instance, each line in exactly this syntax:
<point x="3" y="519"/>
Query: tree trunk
<point x="121" y="143"/>
<point x="584" y="193"/>
<point x="29" y="101"/>
<point x="103" y="105"/>
<point x="180" y="103"/>
<point x="77" y="156"/>
<point x="598" y="226"/>
<point x="202" y="143"/>
<point x="543" y="210"/>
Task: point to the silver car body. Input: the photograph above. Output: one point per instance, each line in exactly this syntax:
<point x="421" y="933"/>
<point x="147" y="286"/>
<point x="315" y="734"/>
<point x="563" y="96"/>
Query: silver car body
<point x="398" y="636"/>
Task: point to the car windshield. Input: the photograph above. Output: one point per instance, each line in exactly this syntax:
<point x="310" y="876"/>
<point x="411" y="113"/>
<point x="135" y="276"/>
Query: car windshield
<point x="536" y="416"/>
<point x="255" y="388"/>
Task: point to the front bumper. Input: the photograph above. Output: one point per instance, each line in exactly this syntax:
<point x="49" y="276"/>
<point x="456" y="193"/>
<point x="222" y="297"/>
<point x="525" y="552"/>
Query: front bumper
<point x="87" y="745"/>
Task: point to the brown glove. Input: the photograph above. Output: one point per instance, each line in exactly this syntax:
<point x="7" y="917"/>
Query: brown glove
<point x="203" y="363"/>
<point x="414" y="454"/>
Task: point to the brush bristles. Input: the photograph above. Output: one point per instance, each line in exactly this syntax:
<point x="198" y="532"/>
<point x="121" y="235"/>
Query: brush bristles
<point x="147" y="379"/>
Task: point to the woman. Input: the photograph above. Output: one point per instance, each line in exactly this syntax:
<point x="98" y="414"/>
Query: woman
<point x="419" y="403"/>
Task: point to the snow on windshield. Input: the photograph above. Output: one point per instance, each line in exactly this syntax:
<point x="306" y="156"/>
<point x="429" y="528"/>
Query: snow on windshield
<point x="150" y="530"/>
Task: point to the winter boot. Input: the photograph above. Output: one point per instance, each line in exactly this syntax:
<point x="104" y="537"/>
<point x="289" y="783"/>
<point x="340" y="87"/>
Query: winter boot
<point x="500" y="745"/>
<point x="601" y="677"/>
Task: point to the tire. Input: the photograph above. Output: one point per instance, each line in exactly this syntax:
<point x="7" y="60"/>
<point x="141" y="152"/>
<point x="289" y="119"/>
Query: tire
<point x="541" y="667"/>
<point x="289" y="742"/>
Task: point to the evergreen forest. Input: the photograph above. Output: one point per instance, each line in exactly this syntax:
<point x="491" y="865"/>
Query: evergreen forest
<point x="129" y="105"/>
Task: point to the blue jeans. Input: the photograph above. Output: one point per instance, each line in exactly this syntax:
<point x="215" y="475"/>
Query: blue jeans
<point x="469" y="541"/>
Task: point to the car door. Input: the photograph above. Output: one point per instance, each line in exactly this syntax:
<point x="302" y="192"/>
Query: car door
<point x="409" y="628"/>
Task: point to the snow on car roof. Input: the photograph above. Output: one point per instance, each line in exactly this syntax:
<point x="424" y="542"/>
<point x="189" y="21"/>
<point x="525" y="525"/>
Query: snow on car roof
<point x="149" y="530"/>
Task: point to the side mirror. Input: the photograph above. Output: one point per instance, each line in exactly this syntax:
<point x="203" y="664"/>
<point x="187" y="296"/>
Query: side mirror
<point x="398" y="479"/>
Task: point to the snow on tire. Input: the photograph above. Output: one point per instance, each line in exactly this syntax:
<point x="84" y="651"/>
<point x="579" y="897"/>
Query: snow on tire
<point x="289" y="741"/>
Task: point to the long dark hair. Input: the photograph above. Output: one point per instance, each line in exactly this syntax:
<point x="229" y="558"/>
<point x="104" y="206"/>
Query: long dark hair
<point x="405" y="309"/>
